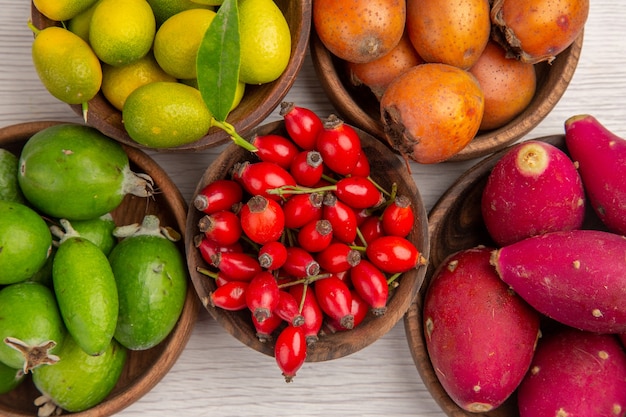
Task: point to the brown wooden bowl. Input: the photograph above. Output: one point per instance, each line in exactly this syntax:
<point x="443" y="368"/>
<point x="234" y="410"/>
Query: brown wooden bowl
<point x="455" y="223"/>
<point x="387" y="168"/>
<point x="359" y="106"/>
<point x="143" y="369"/>
<point x="258" y="101"/>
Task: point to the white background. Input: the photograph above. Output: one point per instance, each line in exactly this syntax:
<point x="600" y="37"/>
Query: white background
<point x="216" y="375"/>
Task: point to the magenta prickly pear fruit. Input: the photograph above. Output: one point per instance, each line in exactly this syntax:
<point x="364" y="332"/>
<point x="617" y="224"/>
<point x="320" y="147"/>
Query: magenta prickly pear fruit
<point x="601" y="158"/>
<point x="480" y="335"/>
<point x="533" y="189"/>
<point x="575" y="373"/>
<point x="576" y="277"/>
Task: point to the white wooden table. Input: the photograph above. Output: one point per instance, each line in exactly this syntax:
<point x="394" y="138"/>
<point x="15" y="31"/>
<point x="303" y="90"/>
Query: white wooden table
<point x="216" y="375"/>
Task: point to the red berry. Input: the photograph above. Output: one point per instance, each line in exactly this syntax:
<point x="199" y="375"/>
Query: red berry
<point x="394" y="254"/>
<point x="316" y="235"/>
<point x="335" y="299"/>
<point x="288" y="309"/>
<point x="258" y="177"/>
<point x="362" y="168"/>
<point x="262" y="295"/>
<point x="302" y="208"/>
<point x="300" y="263"/>
<point x="371" y="229"/>
<point x="209" y="248"/>
<point x="358" y="192"/>
<point x="307" y="168"/>
<point x="359" y="310"/>
<point x="221" y="226"/>
<point x="398" y="217"/>
<point x="265" y="328"/>
<point x="238" y="266"/>
<point x="231" y="296"/>
<point x="290" y="351"/>
<point x="272" y="255"/>
<point x="338" y="257"/>
<point x="339" y="144"/>
<point x="218" y="195"/>
<point x="262" y="219"/>
<point x="275" y="148"/>
<point x="302" y="124"/>
<point x="371" y="285"/>
<point x="342" y="218"/>
<point x="311" y="311"/>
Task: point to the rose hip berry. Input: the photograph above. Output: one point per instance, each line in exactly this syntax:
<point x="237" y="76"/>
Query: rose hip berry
<point x="339" y="144"/>
<point x="394" y="254"/>
<point x="272" y="255"/>
<point x="302" y="208"/>
<point x="275" y="148"/>
<point x="262" y="295"/>
<point x="222" y="227"/>
<point x="335" y="299"/>
<point x="262" y="219"/>
<point x="316" y="235"/>
<point x="341" y="216"/>
<point x="258" y="177"/>
<point x="218" y="195"/>
<point x="231" y="296"/>
<point x="310" y="310"/>
<point x="307" y="168"/>
<point x="371" y="285"/>
<point x="302" y="124"/>
<point x="398" y="217"/>
<point x="290" y="351"/>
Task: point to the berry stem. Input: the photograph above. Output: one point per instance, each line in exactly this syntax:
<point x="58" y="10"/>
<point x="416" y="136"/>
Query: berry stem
<point x="237" y="139"/>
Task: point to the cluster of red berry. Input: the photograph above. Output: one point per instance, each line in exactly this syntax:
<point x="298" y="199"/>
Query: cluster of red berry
<point x="302" y="236"/>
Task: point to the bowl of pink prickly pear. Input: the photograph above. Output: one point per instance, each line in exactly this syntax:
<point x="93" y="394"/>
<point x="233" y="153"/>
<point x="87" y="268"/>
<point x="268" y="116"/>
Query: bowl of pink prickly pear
<point x="526" y="264"/>
<point x="312" y="245"/>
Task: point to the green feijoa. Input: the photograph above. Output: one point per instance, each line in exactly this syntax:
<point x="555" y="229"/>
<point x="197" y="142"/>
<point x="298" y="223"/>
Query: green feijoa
<point x="31" y="327"/>
<point x="9" y="187"/>
<point x="75" y="172"/>
<point x="152" y="282"/>
<point x="25" y="242"/>
<point x="10" y="378"/>
<point x="98" y="231"/>
<point x="86" y="292"/>
<point x="79" y="381"/>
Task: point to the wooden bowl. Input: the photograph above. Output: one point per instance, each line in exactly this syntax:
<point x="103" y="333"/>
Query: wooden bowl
<point x="386" y="168"/>
<point x="258" y="101"/>
<point x="455" y="223"/>
<point x="359" y="106"/>
<point x="143" y="369"/>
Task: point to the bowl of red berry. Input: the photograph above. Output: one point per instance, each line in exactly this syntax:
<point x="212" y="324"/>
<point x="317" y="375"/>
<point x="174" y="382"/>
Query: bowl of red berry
<point x="311" y="246"/>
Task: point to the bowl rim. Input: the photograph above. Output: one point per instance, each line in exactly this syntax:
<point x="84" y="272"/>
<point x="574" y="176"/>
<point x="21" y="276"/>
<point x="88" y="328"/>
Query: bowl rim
<point x="109" y="120"/>
<point x="414" y="329"/>
<point x="561" y="72"/>
<point x="329" y="346"/>
<point x="181" y="333"/>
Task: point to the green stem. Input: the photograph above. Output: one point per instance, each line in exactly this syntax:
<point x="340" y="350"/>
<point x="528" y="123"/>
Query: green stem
<point x="85" y="108"/>
<point x="206" y="272"/>
<point x="32" y="27"/>
<point x="392" y="279"/>
<point x="305" y="281"/>
<point x="237" y="139"/>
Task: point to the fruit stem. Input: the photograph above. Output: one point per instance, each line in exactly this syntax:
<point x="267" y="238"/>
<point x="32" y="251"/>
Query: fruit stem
<point x="391" y="281"/>
<point x="237" y="139"/>
<point x="32" y="27"/>
<point x="306" y="281"/>
<point x="206" y="272"/>
<point x="85" y="108"/>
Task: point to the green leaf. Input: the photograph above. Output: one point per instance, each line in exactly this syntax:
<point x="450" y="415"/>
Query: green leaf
<point x="218" y="61"/>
